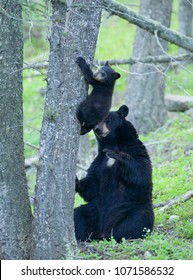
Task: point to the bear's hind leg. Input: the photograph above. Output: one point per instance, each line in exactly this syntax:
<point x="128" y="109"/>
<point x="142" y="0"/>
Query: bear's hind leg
<point x="134" y="226"/>
<point x="85" y="223"/>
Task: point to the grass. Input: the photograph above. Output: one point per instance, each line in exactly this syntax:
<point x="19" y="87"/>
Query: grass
<point x="159" y="246"/>
<point x="170" y="147"/>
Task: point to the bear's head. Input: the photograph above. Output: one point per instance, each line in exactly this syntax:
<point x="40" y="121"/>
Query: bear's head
<point x="115" y="128"/>
<point x="106" y="75"/>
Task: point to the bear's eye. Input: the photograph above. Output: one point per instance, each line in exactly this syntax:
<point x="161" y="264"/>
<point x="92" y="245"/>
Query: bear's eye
<point x="103" y="74"/>
<point x="108" y="120"/>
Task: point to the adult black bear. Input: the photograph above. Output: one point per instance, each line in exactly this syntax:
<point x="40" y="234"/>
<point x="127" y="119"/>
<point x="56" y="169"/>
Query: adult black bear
<point x="118" y="185"/>
<point x="97" y="105"/>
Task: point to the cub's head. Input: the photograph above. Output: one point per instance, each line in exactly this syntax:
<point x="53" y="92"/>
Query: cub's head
<point x="106" y="75"/>
<point x="111" y="126"/>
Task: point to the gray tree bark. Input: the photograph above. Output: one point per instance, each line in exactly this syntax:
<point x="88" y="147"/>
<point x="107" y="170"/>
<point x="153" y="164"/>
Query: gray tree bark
<point x="74" y="33"/>
<point x="185" y="20"/>
<point x="15" y="212"/>
<point x="145" y="94"/>
<point x="85" y="156"/>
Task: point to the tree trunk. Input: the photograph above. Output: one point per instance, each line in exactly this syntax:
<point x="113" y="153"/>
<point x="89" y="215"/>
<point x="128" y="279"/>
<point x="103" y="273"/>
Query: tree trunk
<point x="15" y="212"/>
<point x="145" y="96"/>
<point x="185" y="20"/>
<point x="85" y="156"/>
<point x="74" y="33"/>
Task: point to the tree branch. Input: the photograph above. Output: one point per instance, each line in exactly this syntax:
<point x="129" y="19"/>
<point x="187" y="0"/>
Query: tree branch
<point x="33" y="161"/>
<point x="148" y="59"/>
<point x="35" y="65"/>
<point x="175" y="200"/>
<point x="149" y="25"/>
<point x="131" y="61"/>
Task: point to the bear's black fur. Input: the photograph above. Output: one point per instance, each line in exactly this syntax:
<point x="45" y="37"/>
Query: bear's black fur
<point x="97" y="105"/>
<point x="118" y="185"/>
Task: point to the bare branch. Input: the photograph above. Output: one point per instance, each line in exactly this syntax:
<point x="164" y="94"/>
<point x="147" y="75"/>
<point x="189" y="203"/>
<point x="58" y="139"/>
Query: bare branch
<point x="33" y="161"/>
<point x="175" y="200"/>
<point x="148" y="59"/>
<point x="31" y="145"/>
<point x="131" y="61"/>
<point x="35" y="65"/>
<point x="149" y="25"/>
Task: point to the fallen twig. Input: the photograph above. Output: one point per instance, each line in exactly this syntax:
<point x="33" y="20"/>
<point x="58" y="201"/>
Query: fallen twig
<point x="175" y="200"/>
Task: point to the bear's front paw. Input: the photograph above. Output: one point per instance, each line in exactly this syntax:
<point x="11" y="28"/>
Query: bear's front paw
<point x="80" y="60"/>
<point x="110" y="153"/>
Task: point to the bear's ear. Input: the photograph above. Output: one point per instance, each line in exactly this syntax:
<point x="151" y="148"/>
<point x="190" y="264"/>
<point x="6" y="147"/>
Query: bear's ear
<point x="116" y="75"/>
<point x="107" y="63"/>
<point x="123" y="111"/>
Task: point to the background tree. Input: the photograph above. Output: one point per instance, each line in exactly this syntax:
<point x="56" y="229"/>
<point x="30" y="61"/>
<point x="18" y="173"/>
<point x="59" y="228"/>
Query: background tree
<point x="185" y="19"/>
<point x="145" y="94"/>
<point x="15" y="213"/>
<point x="74" y="33"/>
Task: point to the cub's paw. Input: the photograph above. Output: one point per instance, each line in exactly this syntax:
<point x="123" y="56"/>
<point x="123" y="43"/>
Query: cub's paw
<point x="111" y="153"/>
<point x="80" y="60"/>
<point x="111" y="156"/>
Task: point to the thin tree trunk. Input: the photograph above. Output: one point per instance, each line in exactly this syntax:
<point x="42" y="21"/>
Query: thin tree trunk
<point x="15" y="212"/>
<point x="145" y="95"/>
<point x="185" y="20"/>
<point x="74" y="33"/>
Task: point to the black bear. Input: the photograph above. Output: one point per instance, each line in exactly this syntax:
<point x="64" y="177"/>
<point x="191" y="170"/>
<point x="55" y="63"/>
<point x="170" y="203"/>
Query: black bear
<point x="118" y="185"/>
<point x="96" y="106"/>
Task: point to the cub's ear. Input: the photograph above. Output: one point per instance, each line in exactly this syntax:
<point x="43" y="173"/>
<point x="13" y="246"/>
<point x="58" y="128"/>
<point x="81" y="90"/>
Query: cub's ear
<point x="116" y="75"/>
<point x="107" y="63"/>
<point x="123" y="111"/>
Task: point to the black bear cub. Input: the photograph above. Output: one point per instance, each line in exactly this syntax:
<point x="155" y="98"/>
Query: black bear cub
<point x="118" y="185"/>
<point x="97" y="105"/>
